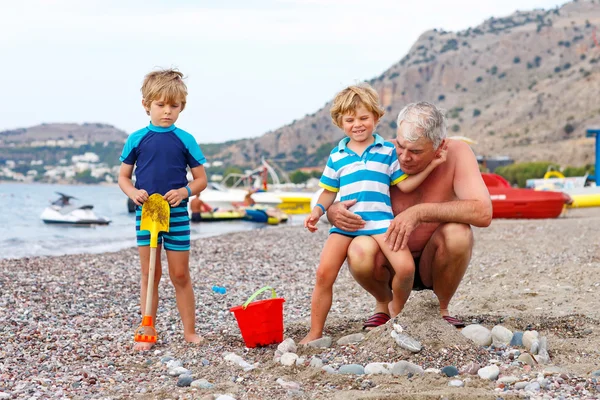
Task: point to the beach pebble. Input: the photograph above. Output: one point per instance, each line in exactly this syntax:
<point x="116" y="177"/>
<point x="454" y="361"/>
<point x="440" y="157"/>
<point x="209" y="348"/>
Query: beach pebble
<point x="329" y="369"/>
<point x="521" y="385"/>
<point x="517" y="339"/>
<point x="179" y="371"/>
<point x="508" y="380"/>
<point x="378" y="368"/>
<point x="470" y="369"/>
<point x="596" y="373"/>
<point x="490" y="373"/>
<point x="350" y="339"/>
<point x="450" y="371"/>
<point x="289" y="385"/>
<point x="529" y="337"/>
<point x="351" y="369"/>
<point x="300" y="361"/>
<point x="184" y="380"/>
<point x="225" y="397"/>
<point x="501" y="336"/>
<point x="456" y="383"/>
<point x="433" y="371"/>
<point x="533" y="387"/>
<point x="202" y="384"/>
<point x="239" y="361"/>
<point x="404" y="368"/>
<point x="316" y="362"/>
<point x="288" y="359"/>
<point x="478" y="334"/>
<point x="526" y="358"/>
<point x="406" y="342"/>
<point x="287" y="346"/>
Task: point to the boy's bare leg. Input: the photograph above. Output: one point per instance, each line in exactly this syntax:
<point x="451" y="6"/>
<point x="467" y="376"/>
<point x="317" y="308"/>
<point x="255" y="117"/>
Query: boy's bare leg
<point x="404" y="267"/>
<point x="332" y="258"/>
<point x="179" y="272"/>
<point x="145" y="264"/>
<point x="369" y="268"/>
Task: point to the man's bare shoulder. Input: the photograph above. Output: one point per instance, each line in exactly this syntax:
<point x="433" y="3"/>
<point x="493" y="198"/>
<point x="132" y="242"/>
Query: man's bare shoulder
<point x="458" y="148"/>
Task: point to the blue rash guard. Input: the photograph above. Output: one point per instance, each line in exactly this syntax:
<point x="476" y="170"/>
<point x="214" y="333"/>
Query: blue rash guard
<point x="161" y="156"/>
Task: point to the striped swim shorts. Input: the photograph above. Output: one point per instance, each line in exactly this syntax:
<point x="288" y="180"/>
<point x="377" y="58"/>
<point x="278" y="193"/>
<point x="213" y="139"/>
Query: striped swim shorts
<point x="178" y="237"/>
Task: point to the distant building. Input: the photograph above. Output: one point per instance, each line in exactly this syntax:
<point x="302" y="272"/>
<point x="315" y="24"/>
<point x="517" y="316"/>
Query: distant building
<point x="491" y="163"/>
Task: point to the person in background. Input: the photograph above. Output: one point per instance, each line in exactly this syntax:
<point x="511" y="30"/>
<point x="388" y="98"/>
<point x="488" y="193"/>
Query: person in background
<point x="161" y="153"/>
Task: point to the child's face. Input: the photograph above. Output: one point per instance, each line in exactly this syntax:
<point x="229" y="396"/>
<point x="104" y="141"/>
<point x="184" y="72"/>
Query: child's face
<point x="163" y="113"/>
<point x="360" y="125"/>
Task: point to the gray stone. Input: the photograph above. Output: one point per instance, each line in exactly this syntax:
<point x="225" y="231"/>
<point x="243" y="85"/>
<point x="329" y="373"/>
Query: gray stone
<point x="521" y="385"/>
<point x="508" y="380"/>
<point x="184" y="381"/>
<point x="202" y="384"/>
<point x="329" y="369"/>
<point x="470" y="369"/>
<point x="349" y="339"/>
<point x="352" y="369"/>
<point x="517" y="339"/>
<point x="533" y="387"/>
<point x="406" y="342"/>
<point x="166" y="359"/>
<point x="404" y="368"/>
<point x="596" y="373"/>
<point x="450" y="371"/>
<point x="179" y="371"/>
<point x="316" y="362"/>
<point x="289" y="385"/>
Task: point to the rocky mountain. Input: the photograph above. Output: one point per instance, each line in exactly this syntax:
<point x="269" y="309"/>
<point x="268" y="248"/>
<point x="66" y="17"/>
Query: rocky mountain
<point x="524" y="86"/>
<point x="87" y="132"/>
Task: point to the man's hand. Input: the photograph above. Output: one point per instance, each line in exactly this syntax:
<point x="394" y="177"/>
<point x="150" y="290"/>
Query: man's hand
<point x="339" y="215"/>
<point x="441" y="155"/>
<point x="401" y="228"/>
<point x="175" y="196"/>
<point x="139" y="197"/>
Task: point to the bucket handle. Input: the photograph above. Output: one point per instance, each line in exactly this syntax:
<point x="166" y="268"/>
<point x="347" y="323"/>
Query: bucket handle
<point x="259" y="291"/>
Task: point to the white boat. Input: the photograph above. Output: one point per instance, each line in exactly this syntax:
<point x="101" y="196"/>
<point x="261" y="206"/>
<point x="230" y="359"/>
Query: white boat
<point x="219" y="196"/>
<point x="62" y="211"/>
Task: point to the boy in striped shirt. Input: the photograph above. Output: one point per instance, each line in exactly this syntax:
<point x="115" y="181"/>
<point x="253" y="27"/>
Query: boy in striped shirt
<point x="362" y="167"/>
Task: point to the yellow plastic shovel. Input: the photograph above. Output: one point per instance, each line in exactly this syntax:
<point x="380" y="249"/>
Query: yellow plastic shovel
<point x="155" y="218"/>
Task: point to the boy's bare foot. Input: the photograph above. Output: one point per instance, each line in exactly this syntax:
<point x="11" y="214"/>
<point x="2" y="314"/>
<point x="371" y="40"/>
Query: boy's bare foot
<point x="142" y="346"/>
<point x="194" y="338"/>
<point x="309" y="338"/>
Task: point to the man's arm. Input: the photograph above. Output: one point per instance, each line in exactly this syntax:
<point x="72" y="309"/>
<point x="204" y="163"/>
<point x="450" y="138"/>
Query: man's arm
<point x="473" y="205"/>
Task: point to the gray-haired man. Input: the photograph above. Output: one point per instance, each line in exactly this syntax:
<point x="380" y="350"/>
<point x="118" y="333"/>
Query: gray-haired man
<point x="434" y="221"/>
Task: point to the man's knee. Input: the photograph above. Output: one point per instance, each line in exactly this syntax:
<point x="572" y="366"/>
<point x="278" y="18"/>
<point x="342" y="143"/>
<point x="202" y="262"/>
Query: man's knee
<point x="456" y="238"/>
<point x="362" y="253"/>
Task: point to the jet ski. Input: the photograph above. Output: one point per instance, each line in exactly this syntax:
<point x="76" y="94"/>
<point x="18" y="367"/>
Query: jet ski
<point x="63" y="211"/>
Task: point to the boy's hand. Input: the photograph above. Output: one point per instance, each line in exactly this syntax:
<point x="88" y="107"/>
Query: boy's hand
<point x="175" y="196"/>
<point x="310" y="222"/>
<point x="139" y="197"/>
<point x="441" y="156"/>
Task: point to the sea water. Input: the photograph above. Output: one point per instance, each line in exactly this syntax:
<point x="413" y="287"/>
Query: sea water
<point x="24" y="234"/>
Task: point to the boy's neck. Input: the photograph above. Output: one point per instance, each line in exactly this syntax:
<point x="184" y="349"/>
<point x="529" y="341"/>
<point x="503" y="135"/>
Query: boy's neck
<point x="359" y="147"/>
<point x="157" y="128"/>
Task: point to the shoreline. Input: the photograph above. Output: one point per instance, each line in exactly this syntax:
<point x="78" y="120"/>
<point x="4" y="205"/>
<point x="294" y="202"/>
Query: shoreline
<point x="68" y="321"/>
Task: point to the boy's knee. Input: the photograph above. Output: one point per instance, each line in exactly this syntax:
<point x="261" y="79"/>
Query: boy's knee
<point x="362" y="253"/>
<point x="180" y="279"/>
<point x="325" y="276"/>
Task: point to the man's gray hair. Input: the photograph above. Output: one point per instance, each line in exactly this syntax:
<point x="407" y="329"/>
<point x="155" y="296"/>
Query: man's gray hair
<point x="426" y="121"/>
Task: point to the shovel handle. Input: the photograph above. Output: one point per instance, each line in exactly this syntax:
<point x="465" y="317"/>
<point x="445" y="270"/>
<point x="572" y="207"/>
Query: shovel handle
<point x="150" y="290"/>
<point x="259" y="291"/>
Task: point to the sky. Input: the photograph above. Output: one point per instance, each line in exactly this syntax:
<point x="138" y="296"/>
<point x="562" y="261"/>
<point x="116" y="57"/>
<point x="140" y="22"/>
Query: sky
<point x="250" y="66"/>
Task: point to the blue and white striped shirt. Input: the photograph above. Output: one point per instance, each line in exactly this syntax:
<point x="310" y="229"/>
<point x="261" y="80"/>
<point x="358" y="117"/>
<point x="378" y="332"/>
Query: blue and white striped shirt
<point x="366" y="178"/>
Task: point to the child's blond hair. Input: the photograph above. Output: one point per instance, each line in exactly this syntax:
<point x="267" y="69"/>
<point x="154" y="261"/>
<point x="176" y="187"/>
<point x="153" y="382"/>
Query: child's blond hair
<point x="165" y="84"/>
<point x="349" y="99"/>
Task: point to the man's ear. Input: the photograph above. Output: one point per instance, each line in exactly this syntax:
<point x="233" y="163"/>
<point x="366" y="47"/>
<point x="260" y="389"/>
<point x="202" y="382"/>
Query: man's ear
<point x="441" y="146"/>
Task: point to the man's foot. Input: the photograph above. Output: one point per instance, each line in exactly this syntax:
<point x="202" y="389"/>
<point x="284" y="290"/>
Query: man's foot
<point x="375" y="320"/>
<point x="194" y="338"/>
<point x="455" y="322"/>
<point x="142" y="346"/>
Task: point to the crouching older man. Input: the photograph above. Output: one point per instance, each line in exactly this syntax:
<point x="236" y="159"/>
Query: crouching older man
<point x="434" y="221"/>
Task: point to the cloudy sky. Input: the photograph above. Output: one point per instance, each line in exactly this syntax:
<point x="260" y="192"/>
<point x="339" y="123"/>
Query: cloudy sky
<point x="251" y="65"/>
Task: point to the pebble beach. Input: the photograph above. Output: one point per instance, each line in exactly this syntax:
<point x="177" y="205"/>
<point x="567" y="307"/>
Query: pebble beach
<point x="531" y="297"/>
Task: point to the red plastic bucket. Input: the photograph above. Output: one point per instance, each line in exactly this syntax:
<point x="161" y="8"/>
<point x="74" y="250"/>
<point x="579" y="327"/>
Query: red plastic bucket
<point x="261" y="322"/>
